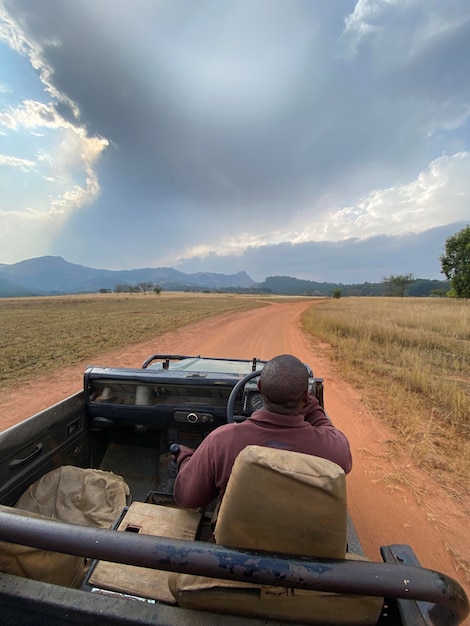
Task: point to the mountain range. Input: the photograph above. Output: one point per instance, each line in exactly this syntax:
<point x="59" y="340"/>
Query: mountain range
<point x="51" y="275"/>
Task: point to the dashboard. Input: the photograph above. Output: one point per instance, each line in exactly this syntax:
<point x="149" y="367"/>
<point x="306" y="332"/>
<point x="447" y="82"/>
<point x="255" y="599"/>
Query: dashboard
<point x="166" y="398"/>
<point x="171" y="391"/>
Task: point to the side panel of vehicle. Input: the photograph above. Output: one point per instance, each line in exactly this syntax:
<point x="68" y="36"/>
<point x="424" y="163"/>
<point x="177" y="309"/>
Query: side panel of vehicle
<point x="56" y="436"/>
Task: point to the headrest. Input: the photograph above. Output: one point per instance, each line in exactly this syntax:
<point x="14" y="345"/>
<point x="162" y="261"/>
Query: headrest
<point x="284" y="501"/>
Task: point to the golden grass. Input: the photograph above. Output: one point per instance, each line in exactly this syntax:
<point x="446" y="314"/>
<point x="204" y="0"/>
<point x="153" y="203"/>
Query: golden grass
<point x="44" y="334"/>
<point x="411" y="359"/>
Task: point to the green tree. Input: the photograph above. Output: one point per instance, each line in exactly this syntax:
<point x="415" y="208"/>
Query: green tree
<point x="157" y="289"/>
<point x="337" y="293"/>
<point x="438" y="293"/>
<point x="456" y="262"/>
<point x="397" y="284"/>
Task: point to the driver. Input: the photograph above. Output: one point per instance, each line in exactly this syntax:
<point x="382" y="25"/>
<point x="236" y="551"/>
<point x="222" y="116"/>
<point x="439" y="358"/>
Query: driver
<point x="291" y="420"/>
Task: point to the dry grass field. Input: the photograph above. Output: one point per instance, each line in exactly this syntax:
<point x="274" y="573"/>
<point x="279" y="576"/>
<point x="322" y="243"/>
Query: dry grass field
<point x="43" y="334"/>
<point x="410" y="357"/>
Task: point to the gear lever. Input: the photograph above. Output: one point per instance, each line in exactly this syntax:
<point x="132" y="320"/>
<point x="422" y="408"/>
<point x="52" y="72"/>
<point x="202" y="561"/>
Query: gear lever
<point x="173" y="465"/>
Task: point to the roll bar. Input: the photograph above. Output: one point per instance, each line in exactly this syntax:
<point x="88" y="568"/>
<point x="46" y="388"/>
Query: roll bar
<point x="195" y="557"/>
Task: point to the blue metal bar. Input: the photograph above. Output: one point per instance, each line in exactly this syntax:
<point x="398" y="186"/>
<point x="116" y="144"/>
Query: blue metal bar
<point x="194" y="557"/>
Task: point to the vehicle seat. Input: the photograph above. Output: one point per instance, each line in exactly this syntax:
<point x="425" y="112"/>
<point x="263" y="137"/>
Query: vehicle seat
<point x="88" y="497"/>
<point x="280" y="501"/>
<point x="68" y="494"/>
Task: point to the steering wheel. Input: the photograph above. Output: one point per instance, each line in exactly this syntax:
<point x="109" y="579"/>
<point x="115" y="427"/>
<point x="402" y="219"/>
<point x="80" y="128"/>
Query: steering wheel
<point x="233" y="394"/>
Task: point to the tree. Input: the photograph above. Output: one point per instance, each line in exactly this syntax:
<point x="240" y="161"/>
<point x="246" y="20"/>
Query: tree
<point x="337" y="293"/>
<point x="438" y="293"/>
<point x="145" y="285"/>
<point x="456" y="262"/>
<point x="398" y="284"/>
<point x="157" y="289"/>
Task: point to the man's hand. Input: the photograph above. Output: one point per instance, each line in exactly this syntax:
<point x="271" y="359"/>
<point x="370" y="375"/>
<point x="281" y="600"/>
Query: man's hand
<point x="184" y="453"/>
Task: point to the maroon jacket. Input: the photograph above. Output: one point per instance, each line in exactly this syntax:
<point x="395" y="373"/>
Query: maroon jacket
<point x="204" y="473"/>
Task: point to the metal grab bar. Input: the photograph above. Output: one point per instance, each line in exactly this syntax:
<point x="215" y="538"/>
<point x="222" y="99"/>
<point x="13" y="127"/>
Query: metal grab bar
<point x="204" y="559"/>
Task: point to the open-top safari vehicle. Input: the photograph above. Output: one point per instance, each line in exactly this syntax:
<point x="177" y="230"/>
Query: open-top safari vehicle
<point x="90" y="533"/>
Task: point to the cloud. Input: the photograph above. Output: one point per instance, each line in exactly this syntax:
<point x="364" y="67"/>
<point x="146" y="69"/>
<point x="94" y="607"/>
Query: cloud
<point x="349" y="261"/>
<point x="401" y="211"/>
<point x="31" y="115"/>
<point x="410" y="208"/>
<point x="23" y="164"/>
<point x="168" y="131"/>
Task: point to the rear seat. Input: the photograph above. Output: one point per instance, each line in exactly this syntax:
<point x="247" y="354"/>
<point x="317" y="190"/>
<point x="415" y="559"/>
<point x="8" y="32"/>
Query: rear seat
<point x="69" y="494"/>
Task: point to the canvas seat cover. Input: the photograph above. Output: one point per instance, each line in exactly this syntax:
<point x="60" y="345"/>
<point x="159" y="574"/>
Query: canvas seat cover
<point x="68" y="494"/>
<point x="88" y="497"/>
<point x="43" y="565"/>
<point x="280" y="501"/>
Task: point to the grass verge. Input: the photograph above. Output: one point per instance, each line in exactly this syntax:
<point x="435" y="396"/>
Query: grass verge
<point x="411" y="359"/>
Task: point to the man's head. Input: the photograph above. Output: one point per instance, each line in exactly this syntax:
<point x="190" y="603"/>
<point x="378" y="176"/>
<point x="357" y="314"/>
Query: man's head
<point x="283" y="384"/>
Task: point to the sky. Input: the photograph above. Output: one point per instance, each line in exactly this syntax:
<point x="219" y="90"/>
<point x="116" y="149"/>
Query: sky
<point x="324" y="140"/>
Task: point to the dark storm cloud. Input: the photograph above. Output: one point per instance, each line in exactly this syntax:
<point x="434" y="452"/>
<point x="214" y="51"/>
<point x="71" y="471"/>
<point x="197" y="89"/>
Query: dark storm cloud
<point x="277" y="111"/>
<point x="226" y="118"/>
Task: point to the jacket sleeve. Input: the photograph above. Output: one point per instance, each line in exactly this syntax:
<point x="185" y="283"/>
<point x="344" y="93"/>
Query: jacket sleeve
<point x="195" y="482"/>
<point x="314" y="413"/>
<point x="335" y="444"/>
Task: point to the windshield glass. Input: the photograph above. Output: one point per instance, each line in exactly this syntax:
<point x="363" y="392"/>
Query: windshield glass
<point x="211" y="365"/>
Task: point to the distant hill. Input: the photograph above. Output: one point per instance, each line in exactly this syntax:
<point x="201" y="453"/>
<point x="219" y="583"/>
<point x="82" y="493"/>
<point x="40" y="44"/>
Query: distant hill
<point x="10" y="289"/>
<point x="51" y="275"/>
<point x="296" y="286"/>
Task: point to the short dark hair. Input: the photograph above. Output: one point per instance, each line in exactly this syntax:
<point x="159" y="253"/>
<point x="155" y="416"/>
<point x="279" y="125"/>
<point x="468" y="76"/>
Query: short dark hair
<point x="284" y="380"/>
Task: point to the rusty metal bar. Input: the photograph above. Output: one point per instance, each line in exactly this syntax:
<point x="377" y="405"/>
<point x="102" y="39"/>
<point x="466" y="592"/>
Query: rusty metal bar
<point x="193" y="557"/>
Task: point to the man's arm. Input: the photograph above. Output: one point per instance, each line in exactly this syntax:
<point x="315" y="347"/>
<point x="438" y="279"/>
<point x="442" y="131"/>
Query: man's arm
<point x="314" y="413"/>
<point x="335" y="443"/>
<point x="195" y="482"/>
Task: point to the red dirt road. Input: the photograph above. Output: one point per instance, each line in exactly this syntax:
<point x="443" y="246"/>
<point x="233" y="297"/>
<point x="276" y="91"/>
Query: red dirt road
<point x="391" y="500"/>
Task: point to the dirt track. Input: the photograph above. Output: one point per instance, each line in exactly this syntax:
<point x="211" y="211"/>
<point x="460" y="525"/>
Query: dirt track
<point x="390" y="500"/>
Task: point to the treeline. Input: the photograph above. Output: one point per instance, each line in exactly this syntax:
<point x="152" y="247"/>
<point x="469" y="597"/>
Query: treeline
<point x="142" y="287"/>
<point x="285" y="285"/>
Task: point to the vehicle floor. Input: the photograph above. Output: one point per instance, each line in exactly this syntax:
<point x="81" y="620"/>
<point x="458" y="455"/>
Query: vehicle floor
<point x="139" y="466"/>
